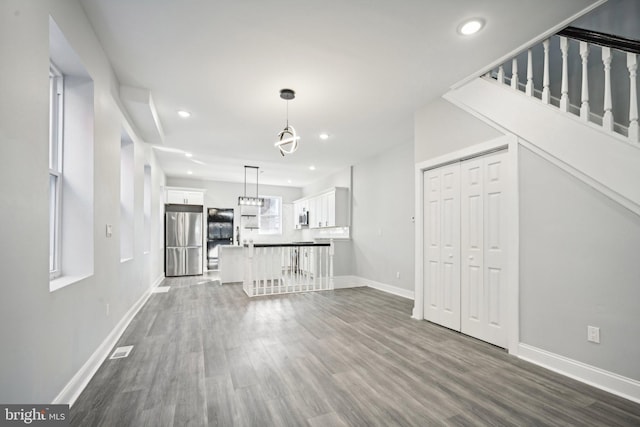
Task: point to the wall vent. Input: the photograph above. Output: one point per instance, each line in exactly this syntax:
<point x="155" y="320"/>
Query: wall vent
<point x="121" y="352"/>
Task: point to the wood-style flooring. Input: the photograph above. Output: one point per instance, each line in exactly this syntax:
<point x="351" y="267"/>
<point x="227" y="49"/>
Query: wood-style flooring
<point x="205" y="354"/>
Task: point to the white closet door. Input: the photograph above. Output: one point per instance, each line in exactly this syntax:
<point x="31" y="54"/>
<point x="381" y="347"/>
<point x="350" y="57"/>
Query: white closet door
<point x="442" y="246"/>
<point x="483" y="252"/>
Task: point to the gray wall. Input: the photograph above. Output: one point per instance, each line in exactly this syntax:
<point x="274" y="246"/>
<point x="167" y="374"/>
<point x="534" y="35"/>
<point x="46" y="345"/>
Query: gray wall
<point x="441" y="128"/>
<point x="382" y="228"/>
<point x="48" y="336"/>
<point x="617" y="17"/>
<point x="578" y="267"/>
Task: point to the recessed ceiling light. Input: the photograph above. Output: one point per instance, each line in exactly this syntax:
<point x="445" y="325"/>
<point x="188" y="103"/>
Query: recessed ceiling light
<point x="189" y="173"/>
<point x="188" y="155"/>
<point x="324" y="136"/>
<point x="184" y="114"/>
<point x="312" y="168"/>
<point x="471" y="26"/>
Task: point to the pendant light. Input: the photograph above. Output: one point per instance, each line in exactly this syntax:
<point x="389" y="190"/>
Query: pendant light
<point x="250" y="201"/>
<point x="287" y="139"/>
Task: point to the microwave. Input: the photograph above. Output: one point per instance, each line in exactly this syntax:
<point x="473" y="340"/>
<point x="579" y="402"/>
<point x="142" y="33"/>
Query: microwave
<point x="303" y="219"/>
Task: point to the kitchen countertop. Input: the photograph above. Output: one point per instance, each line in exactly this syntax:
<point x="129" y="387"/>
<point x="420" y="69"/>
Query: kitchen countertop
<point x="290" y="244"/>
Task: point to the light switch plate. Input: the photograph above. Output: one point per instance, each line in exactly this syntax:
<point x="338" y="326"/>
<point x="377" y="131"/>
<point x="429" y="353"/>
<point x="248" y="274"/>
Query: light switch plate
<point x="109" y="230"/>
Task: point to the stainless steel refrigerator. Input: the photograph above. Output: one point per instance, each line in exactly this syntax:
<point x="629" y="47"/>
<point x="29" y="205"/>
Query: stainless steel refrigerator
<point x="183" y="244"/>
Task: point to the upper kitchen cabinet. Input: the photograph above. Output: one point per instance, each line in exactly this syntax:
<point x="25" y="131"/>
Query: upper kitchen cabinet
<point x="185" y="196"/>
<point x="327" y="209"/>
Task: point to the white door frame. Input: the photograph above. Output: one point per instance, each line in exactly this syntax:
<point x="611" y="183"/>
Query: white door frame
<point x="510" y="142"/>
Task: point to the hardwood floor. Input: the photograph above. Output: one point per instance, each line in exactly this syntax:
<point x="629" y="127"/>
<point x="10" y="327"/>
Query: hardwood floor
<point x="205" y="354"/>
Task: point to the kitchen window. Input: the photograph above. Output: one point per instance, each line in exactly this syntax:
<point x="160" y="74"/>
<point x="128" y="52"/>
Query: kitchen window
<point x="270" y="216"/>
<point x="56" y="116"/>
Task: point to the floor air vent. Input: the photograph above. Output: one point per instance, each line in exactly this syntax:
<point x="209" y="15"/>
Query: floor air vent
<point x="121" y="352"/>
<point x="160" y="290"/>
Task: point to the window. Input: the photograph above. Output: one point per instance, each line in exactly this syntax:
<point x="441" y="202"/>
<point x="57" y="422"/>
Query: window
<point x="126" y="197"/>
<point x="270" y="216"/>
<point x="147" y="209"/>
<point x="71" y="162"/>
<point x="56" y="91"/>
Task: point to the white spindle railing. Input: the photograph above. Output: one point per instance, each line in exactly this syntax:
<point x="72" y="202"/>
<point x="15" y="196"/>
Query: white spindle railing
<point x="546" y="94"/>
<point x="280" y="269"/>
<point x="632" y="65"/>
<point x="564" y="97"/>
<point x="584" y="107"/>
<point x="607" y="117"/>
<point x="529" y="87"/>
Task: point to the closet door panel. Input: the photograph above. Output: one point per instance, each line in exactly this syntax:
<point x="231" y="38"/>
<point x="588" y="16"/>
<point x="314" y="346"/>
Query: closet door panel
<point x="483" y="228"/>
<point x="495" y="250"/>
<point x="442" y="246"/>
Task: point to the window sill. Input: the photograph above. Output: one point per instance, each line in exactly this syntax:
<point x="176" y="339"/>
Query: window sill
<point x="64" y="281"/>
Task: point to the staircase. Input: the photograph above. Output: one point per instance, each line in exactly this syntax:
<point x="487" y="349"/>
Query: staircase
<point x="573" y="99"/>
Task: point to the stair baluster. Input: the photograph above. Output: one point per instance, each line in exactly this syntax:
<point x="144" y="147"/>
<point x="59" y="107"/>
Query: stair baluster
<point x="607" y="118"/>
<point x="529" y="87"/>
<point x="514" y="74"/>
<point x="584" y="108"/>
<point x="546" y="94"/>
<point x="634" y="129"/>
<point x="564" y="97"/>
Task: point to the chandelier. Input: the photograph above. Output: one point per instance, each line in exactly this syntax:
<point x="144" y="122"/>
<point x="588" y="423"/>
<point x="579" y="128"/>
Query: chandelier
<point x="248" y="200"/>
<point x="287" y="141"/>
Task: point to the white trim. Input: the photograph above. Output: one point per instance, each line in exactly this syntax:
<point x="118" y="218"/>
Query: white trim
<point x="418" y="220"/>
<point x="539" y="38"/>
<point x="64" y="281"/>
<point x="343" y="282"/>
<point x="510" y="142"/>
<point x="79" y="381"/>
<point x="608" y="381"/>
<point x="513" y="254"/>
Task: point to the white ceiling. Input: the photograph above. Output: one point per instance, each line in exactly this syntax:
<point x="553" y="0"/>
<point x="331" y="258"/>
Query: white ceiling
<point x="359" y="68"/>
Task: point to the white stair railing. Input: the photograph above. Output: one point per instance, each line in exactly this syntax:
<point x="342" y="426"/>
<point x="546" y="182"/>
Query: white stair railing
<point x="628" y="127"/>
<point x="287" y="268"/>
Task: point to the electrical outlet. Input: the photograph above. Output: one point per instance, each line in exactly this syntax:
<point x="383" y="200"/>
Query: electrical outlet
<point x="593" y="334"/>
<point x="107" y="309"/>
<point x="397" y="275"/>
<point x="109" y="230"/>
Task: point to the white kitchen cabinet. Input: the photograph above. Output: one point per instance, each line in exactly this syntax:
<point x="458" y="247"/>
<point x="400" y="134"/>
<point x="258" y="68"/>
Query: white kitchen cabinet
<point x="181" y="196"/>
<point x="328" y="209"/>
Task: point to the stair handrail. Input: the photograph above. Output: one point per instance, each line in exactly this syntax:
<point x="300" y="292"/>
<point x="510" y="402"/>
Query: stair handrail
<point x="602" y="39"/>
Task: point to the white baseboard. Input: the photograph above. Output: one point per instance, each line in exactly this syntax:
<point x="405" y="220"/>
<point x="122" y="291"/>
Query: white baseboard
<point x="341" y="282"/>
<point x="158" y="281"/>
<point x="79" y="381"/>
<point x="596" y="377"/>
